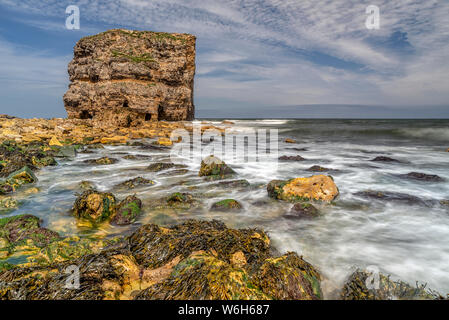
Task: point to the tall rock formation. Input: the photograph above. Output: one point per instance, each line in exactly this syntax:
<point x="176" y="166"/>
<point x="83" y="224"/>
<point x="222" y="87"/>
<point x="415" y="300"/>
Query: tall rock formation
<point x="124" y="77"/>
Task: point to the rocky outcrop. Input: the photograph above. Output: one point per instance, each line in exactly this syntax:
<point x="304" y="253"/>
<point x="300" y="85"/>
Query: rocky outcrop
<point x="128" y="77"/>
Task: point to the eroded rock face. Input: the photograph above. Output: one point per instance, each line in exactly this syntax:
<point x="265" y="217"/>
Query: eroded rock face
<point x="128" y="77"/>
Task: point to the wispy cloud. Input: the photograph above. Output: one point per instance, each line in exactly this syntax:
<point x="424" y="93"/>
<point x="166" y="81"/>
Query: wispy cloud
<point x="293" y="52"/>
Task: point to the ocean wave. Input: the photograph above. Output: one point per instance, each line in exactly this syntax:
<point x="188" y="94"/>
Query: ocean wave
<point x="441" y="134"/>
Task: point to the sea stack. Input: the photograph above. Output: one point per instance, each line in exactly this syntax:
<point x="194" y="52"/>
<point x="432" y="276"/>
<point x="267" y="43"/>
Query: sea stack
<point x="124" y="78"/>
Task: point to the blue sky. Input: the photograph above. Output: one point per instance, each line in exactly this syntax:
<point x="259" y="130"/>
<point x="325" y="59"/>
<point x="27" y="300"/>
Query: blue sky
<point x="255" y="58"/>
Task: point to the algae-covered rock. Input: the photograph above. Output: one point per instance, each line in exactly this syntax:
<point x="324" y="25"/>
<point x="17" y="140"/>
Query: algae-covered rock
<point x="227" y="205"/>
<point x="18" y="229"/>
<point x="193" y="260"/>
<point x="289" y="277"/>
<point x="127" y="211"/>
<point x="136" y="182"/>
<point x="16" y="179"/>
<point x="154" y="246"/>
<point x="364" y="285"/>
<point x="319" y="187"/>
<point x="15" y="156"/>
<point x="8" y="203"/>
<point x="181" y="200"/>
<point x="94" y="206"/>
<point x="213" y="167"/>
<point x="22" y="176"/>
<point x="212" y="278"/>
<point x="160" y="166"/>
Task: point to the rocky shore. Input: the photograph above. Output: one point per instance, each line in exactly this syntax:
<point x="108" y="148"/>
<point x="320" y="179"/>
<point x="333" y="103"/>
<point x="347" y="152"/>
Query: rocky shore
<point x="191" y="260"/>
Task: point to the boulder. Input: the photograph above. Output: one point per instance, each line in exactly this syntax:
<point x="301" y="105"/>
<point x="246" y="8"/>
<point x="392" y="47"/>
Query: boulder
<point x="422" y="177"/>
<point x="291" y="158"/>
<point x="215" y="168"/>
<point x="384" y="159"/>
<point x="127" y="211"/>
<point x="94" y="206"/>
<point x="227" y="205"/>
<point x="180" y="200"/>
<point x="22" y="176"/>
<point x="318" y="169"/>
<point x="319" y="187"/>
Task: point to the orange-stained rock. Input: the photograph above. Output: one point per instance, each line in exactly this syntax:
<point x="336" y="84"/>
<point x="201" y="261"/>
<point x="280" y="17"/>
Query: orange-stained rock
<point x="115" y="139"/>
<point x="319" y="187"/>
<point x="164" y="142"/>
<point x="55" y="142"/>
